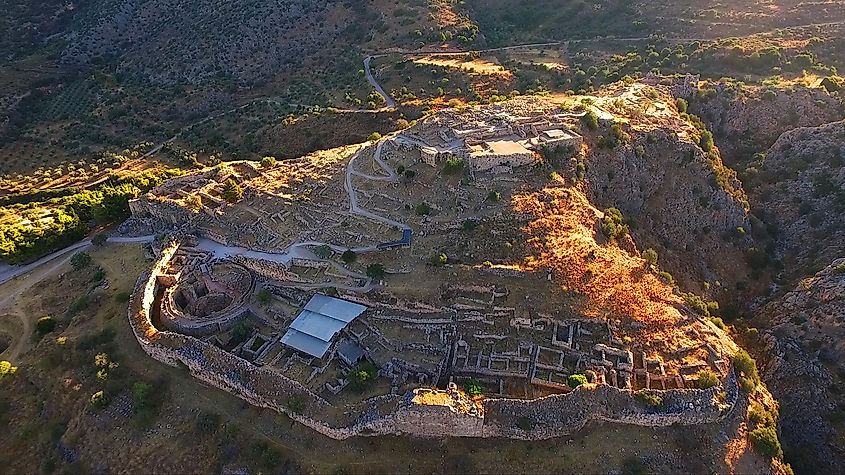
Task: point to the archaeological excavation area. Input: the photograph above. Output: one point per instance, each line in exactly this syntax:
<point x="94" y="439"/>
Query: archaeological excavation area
<point x="351" y="290"/>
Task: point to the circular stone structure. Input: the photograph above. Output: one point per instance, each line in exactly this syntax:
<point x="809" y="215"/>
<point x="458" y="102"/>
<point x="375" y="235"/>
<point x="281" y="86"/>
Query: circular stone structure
<point x="206" y="299"/>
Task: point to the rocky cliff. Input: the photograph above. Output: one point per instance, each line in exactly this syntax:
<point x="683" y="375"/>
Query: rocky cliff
<point x="800" y="191"/>
<point x="805" y="348"/>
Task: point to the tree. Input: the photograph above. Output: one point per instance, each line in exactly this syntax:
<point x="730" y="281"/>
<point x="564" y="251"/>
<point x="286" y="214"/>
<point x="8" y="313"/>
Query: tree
<point x="268" y="162"/>
<point x="80" y="260"/>
<point x="650" y="256"/>
<point x="706" y="141"/>
<point x="375" y="271"/>
<point x="241" y="331"/>
<point x="323" y="251"/>
<point x="613" y="225"/>
<point x="591" y="120"/>
<point x="575" y="380"/>
<point x="45" y="325"/>
<point x="682" y="104"/>
<point x="494" y="196"/>
<point x="263" y="296"/>
<point x="232" y="192"/>
<point x="362" y="376"/>
<point x="453" y="165"/>
<point x="99" y="240"/>
<point x="765" y="441"/>
<point x="423" y="209"/>
<point x="745" y="364"/>
<point x="349" y="256"/>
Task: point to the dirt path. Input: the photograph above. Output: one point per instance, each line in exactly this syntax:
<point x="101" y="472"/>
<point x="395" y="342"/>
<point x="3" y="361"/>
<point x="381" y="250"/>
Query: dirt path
<point x="10" y="292"/>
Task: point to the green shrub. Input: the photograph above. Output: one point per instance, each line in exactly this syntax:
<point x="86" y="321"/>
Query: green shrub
<point x="439" y="259"/>
<point x="323" y="251"/>
<point x="80" y="260"/>
<point x="591" y="120"/>
<point x="718" y="322"/>
<point x="494" y="196"/>
<point x="765" y="442"/>
<point x="707" y="379"/>
<point x="747" y="367"/>
<point x="575" y="380"/>
<point x="45" y="325"/>
<point x="453" y="165"/>
<point x="375" y="271"/>
<point x="613" y="225"/>
<point x="697" y="304"/>
<point x="666" y="277"/>
<point x="232" y="192"/>
<point x="473" y="388"/>
<point x="650" y="399"/>
<point x="650" y="256"/>
<point x="268" y="162"/>
<point x="375" y="136"/>
<point x="469" y="224"/>
<point x="423" y="209"/>
<point x="99" y="240"/>
<point x="6" y="369"/>
<point x="349" y="256"/>
<point x="706" y="142"/>
<point x="682" y="104"/>
<point x="760" y="416"/>
<point x="296" y="404"/>
<point x="362" y="376"/>
<point x="263" y="296"/>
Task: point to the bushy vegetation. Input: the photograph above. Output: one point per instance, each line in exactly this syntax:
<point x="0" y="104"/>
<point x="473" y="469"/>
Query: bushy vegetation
<point x="232" y="192"/>
<point x="6" y="369"/>
<point x="650" y="256"/>
<point x="649" y="399"/>
<point x="423" y="209"/>
<point x="375" y="271"/>
<point x="613" y="225"/>
<point x="45" y="325"/>
<point x="263" y="296"/>
<point x="439" y="259"/>
<point x="765" y="442"/>
<point x="473" y="387"/>
<point x="349" y="256"/>
<point x="453" y="166"/>
<point x="323" y="251"/>
<point x="590" y="120"/>
<point x="745" y="365"/>
<point x="363" y="376"/>
<point x="80" y="260"/>
<point x="268" y="162"/>
<point x="575" y="380"/>
<point x="70" y="214"/>
<point x="707" y="379"/>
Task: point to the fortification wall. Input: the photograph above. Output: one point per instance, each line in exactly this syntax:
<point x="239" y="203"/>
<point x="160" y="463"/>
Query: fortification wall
<point x="543" y="418"/>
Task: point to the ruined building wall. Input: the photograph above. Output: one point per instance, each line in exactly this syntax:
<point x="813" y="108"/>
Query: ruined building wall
<point x="552" y="416"/>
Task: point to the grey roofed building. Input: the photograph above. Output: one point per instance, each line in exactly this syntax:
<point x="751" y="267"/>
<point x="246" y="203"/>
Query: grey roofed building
<point x="320" y="320"/>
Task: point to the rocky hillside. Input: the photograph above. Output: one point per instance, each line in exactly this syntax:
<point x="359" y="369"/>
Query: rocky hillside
<point x="677" y="198"/>
<point x="800" y="190"/>
<point x="806" y="367"/>
<point x="749" y="119"/>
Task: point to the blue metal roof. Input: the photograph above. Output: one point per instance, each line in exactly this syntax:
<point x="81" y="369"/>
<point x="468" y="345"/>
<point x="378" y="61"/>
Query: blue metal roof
<point x="321" y="319"/>
<point x="306" y="343"/>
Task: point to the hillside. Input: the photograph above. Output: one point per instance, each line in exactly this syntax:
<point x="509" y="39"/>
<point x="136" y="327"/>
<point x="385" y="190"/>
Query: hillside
<point x="804" y="368"/>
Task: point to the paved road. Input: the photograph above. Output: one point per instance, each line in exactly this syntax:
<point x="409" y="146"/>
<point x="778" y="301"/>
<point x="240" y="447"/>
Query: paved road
<point x="389" y="103"/>
<point x="11" y="272"/>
